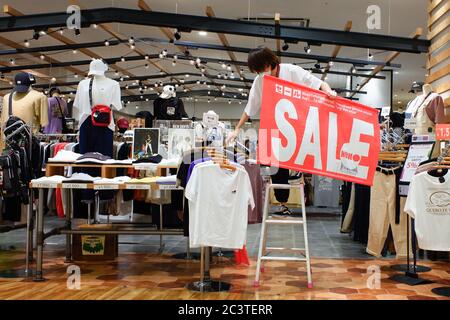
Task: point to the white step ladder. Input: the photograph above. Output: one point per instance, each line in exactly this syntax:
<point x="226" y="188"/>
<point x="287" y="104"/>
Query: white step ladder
<point x="268" y="219"/>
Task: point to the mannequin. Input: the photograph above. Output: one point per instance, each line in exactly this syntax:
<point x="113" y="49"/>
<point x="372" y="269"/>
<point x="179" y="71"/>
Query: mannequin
<point x="210" y="131"/>
<point x="57" y="109"/>
<point x="28" y="104"/>
<point x="168" y="106"/>
<point x="105" y="91"/>
<point x="427" y="109"/>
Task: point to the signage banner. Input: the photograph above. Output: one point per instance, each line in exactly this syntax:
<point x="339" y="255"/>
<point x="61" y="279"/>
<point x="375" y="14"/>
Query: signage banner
<point x="304" y="130"/>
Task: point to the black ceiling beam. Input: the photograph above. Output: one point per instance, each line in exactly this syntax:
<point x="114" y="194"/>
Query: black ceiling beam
<point x="182" y="94"/>
<point x="218" y="25"/>
<point x="60" y="47"/>
<point x="306" y="56"/>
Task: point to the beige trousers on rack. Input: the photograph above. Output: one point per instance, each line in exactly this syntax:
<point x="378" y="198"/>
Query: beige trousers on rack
<point x="382" y="215"/>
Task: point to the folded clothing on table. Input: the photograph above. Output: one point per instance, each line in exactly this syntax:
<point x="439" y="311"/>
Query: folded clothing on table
<point x="65" y="156"/>
<point x="169" y="180"/>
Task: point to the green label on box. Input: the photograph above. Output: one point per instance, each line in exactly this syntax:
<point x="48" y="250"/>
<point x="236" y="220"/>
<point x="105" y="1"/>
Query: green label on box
<point x="93" y="245"/>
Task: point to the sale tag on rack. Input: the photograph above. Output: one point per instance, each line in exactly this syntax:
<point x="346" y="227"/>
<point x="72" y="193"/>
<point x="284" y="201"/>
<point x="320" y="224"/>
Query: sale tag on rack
<point x="44" y="185"/>
<point x="303" y="129"/>
<point x="443" y="132"/>
<point x="106" y="186"/>
<point x="74" y="186"/>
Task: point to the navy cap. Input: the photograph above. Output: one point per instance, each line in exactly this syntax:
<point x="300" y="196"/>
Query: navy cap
<point x="23" y="81"/>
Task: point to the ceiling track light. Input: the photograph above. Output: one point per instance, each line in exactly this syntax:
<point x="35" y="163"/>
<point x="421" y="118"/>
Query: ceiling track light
<point x="174" y="63"/>
<point x="146" y="57"/>
<point x="164" y="52"/>
<point x="317" y="65"/>
<point x="307" y="48"/>
<point x="370" y="56"/>
<point x="74" y="51"/>
<point x="106" y="43"/>
<point x="95" y="26"/>
<point x="229" y="67"/>
<point x="122" y="59"/>
<point x="26" y="43"/>
<point x="132" y="47"/>
<point x="285" y="46"/>
<point x="61" y="31"/>
<point x="146" y="66"/>
<point x="77" y="32"/>
<point x="36" y="35"/>
<point x="42" y="57"/>
<point x="177" y="35"/>
<point x="12" y="61"/>
<point x="131" y="40"/>
<point x="224" y="66"/>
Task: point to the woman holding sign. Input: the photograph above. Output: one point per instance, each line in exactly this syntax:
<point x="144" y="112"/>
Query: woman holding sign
<point x="263" y="61"/>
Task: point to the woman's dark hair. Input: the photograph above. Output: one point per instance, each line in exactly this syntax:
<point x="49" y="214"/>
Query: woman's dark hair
<point x="261" y="58"/>
<point x="52" y="91"/>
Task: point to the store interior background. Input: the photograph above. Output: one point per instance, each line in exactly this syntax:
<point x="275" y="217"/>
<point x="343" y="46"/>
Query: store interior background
<point x="398" y="17"/>
<point x="331" y="14"/>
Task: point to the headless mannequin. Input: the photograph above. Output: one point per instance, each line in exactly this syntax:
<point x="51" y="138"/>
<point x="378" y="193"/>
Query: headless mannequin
<point x="57" y="110"/>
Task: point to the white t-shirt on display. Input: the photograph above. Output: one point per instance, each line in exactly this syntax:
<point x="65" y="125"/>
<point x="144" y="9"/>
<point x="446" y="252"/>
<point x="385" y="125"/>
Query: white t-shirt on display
<point x="218" y="206"/>
<point x="105" y="91"/>
<point x="428" y="202"/>
<point x="288" y="72"/>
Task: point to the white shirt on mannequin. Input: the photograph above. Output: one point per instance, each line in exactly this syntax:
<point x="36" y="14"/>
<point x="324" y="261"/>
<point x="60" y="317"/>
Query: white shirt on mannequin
<point x="105" y="91"/>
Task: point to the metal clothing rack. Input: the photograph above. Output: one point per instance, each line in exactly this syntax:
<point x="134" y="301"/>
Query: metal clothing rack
<point x="30" y="217"/>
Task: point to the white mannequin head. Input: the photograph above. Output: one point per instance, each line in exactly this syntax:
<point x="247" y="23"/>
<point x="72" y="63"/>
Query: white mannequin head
<point x="168" y="92"/>
<point x="97" y="68"/>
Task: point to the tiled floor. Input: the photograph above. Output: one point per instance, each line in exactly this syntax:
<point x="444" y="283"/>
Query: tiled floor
<point x="341" y="270"/>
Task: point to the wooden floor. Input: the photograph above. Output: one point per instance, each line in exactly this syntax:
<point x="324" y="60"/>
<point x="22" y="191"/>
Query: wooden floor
<point x="152" y="276"/>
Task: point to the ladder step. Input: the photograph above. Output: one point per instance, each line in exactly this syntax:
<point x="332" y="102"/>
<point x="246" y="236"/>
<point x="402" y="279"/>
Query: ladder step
<point x="285" y="249"/>
<point x="283" y="258"/>
<point x="285" y="221"/>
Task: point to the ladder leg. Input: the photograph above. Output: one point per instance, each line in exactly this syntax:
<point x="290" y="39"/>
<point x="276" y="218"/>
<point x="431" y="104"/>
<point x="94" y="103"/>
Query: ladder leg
<point x="262" y="236"/>
<point x="305" y="234"/>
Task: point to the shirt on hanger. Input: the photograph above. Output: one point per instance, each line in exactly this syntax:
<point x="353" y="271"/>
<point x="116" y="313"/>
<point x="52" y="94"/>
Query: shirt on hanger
<point x="105" y="92"/>
<point x="288" y="72"/>
<point x="218" y="203"/>
<point x="428" y="202"/>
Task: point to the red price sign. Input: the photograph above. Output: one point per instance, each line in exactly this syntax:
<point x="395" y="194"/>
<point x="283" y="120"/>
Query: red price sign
<point x="443" y="132"/>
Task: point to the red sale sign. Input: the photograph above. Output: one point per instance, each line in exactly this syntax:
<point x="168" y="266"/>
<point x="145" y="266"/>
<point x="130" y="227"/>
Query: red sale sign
<point x="304" y="130"/>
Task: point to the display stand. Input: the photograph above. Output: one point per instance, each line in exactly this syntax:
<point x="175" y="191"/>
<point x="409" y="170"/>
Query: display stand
<point x="420" y="150"/>
<point x="410" y="277"/>
<point x="206" y="284"/>
<point x="120" y="229"/>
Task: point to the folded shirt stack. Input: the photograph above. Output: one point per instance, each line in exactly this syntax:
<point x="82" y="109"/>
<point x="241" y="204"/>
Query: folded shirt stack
<point x="169" y="180"/>
<point x="153" y="159"/>
<point x="92" y="157"/>
<point x="51" y="179"/>
<point x="116" y="180"/>
<point x="147" y="180"/>
<point x="65" y="156"/>
<point x="80" y="178"/>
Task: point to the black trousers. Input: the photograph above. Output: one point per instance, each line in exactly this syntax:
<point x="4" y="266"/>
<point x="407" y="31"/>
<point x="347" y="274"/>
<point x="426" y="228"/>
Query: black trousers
<point x="281" y="177"/>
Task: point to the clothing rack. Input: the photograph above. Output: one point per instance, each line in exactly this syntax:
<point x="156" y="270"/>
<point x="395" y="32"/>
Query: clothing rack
<point x="206" y="284"/>
<point x="10" y="141"/>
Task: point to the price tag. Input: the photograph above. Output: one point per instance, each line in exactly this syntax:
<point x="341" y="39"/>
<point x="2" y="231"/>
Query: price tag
<point x="443" y="132"/>
<point x="168" y="187"/>
<point x="145" y="166"/>
<point x="137" y="186"/>
<point x="106" y="186"/>
<point x="45" y="185"/>
<point x="410" y="124"/>
<point x="74" y="186"/>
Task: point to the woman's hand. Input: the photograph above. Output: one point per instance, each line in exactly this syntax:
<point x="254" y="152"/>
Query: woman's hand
<point x="231" y="137"/>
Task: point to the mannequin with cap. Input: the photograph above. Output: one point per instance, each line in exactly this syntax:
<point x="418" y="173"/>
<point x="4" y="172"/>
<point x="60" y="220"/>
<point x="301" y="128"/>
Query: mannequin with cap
<point x="94" y="91"/>
<point x="168" y="106"/>
<point x="427" y="109"/>
<point x="26" y="103"/>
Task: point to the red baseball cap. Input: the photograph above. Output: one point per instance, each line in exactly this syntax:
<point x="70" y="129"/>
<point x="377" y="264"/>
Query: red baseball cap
<point x="123" y="123"/>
